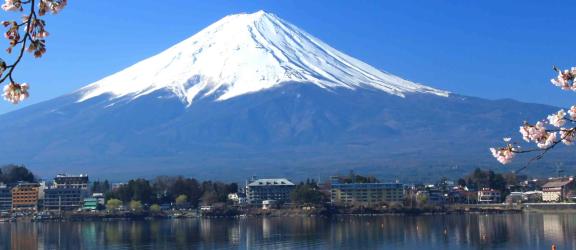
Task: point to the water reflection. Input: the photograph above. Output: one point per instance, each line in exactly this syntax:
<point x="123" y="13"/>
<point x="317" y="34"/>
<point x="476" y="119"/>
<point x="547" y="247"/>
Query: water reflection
<point x="517" y="231"/>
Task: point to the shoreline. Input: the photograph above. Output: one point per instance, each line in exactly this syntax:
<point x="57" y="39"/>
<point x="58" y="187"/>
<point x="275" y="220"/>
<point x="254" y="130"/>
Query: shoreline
<point x="326" y="212"/>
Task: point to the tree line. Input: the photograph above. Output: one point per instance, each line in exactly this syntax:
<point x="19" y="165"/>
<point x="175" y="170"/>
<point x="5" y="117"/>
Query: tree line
<point x="167" y="189"/>
<point x="489" y="179"/>
<point x="189" y="191"/>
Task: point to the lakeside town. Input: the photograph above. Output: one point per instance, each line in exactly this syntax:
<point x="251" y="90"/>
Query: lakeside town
<point x="66" y="196"/>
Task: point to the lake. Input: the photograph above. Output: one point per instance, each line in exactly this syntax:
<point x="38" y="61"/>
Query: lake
<point x="465" y="231"/>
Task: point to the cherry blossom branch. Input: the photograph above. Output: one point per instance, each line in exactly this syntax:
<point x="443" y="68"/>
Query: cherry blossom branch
<point x="22" y="47"/>
<point x="34" y="36"/>
<point x="544" y="133"/>
<point x="537" y="157"/>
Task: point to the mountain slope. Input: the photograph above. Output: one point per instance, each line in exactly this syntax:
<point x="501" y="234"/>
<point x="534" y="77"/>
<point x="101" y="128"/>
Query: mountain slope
<point x="255" y="95"/>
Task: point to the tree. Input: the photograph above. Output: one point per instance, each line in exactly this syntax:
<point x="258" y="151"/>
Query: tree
<point x="32" y="41"/>
<point x="122" y="193"/>
<point x="189" y="187"/>
<point x="422" y="199"/>
<point x="161" y="187"/>
<point x="497" y="182"/>
<point x="354" y="178"/>
<point x="511" y="178"/>
<point x="213" y="192"/>
<point x="307" y="193"/>
<point x="165" y="189"/>
<point x="181" y="199"/>
<point x="136" y="205"/>
<point x="155" y="208"/>
<point x="15" y="173"/>
<point x="478" y="179"/>
<point x="113" y="204"/>
<point x="101" y="187"/>
<point x="486" y="179"/>
<point x="209" y="197"/>
<point x="139" y="189"/>
<point x="546" y="134"/>
<point x="461" y="182"/>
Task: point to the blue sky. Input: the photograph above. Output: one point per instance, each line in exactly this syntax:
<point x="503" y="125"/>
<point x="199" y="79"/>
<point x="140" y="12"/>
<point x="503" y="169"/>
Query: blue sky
<point x="491" y="49"/>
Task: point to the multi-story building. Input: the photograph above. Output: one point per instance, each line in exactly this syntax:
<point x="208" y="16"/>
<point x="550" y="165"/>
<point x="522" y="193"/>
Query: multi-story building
<point x="5" y="198"/>
<point x="71" y="181"/>
<point x="488" y="195"/>
<point x="558" y="189"/>
<point x="25" y="196"/>
<point x="437" y="196"/>
<point x="64" y="199"/>
<point x="269" y="189"/>
<point x="365" y="193"/>
<point x="67" y="193"/>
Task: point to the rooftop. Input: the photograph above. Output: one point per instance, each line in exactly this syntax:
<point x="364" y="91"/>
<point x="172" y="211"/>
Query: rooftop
<point x="271" y="182"/>
<point x="28" y="184"/>
<point x="70" y="175"/>
<point x="487" y="190"/>
<point x="557" y="183"/>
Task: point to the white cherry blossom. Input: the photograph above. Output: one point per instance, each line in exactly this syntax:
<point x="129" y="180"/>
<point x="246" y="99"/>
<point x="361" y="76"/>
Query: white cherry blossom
<point x="557" y="120"/>
<point x="15" y="92"/>
<point x="12" y="5"/>
<point x="568" y="136"/>
<point x="547" y="140"/>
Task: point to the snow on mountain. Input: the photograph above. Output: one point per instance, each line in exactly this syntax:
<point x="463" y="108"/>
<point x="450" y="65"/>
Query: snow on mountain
<point x="247" y="53"/>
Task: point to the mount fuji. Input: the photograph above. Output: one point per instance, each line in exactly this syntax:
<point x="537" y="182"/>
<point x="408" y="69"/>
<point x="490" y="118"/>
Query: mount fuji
<point x="253" y="94"/>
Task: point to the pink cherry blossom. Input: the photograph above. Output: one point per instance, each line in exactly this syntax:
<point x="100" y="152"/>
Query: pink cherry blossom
<point x="503" y="155"/>
<point x="534" y="133"/>
<point x="542" y="134"/>
<point x="557" y="120"/>
<point x="31" y="40"/>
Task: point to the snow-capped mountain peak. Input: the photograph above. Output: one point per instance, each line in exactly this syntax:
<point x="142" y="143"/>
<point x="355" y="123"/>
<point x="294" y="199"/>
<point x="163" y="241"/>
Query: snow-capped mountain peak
<point x="246" y="53"/>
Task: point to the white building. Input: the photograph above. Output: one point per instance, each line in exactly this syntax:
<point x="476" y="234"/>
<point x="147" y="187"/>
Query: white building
<point x="269" y="189"/>
<point x="532" y="196"/>
<point x="488" y="195"/>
